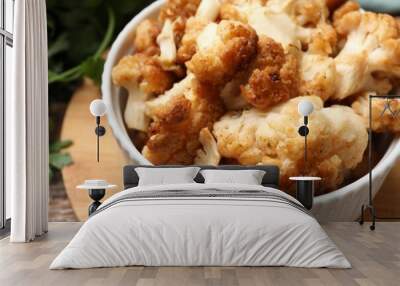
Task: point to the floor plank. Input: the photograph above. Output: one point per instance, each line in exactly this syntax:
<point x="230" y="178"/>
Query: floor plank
<point x="375" y="257"/>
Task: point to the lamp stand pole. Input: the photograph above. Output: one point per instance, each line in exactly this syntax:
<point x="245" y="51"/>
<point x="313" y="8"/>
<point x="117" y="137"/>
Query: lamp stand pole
<point x="98" y="137"/>
<point x="305" y="156"/>
<point x="370" y="205"/>
<point x="100" y="131"/>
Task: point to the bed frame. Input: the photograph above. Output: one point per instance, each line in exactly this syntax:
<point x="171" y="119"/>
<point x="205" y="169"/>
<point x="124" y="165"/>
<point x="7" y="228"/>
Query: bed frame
<point x="271" y="177"/>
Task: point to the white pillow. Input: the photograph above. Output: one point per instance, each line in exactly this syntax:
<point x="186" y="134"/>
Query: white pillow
<point x="164" y="176"/>
<point x="248" y="177"/>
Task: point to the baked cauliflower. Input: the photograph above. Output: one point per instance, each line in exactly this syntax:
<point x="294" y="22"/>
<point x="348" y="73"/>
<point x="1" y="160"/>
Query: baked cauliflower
<point x="385" y="113"/>
<point x="206" y="13"/>
<point x="142" y="76"/>
<point x="318" y="75"/>
<point x="208" y="154"/>
<point x="174" y="9"/>
<point x="146" y="37"/>
<point x="273" y="76"/>
<point x="174" y="16"/>
<point x="178" y="117"/>
<point x="221" y="51"/>
<point x="167" y="41"/>
<point x="288" y="22"/>
<point x="370" y="56"/>
<point x="336" y="142"/>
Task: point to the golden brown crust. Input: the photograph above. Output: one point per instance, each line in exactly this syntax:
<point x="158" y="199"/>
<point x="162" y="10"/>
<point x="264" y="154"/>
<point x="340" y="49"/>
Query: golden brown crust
<point x="235" y="46"/>
<point x="187" y="49"/>
<point x="178" y="8"/>
<point x="324" y="41"/>
<point x="173" y="115"/>
<point x="146" y="35"/>
<point x="274" y="75"/>
<point x="344" y="18"/>
<point x="228" y="11"/>
<point x="309" y="13"/>
<point x="142" y="70"/>
<point x="174" y="134"/>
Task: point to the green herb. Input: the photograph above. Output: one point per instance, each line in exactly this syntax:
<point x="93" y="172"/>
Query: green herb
<point x="58" y="159"/>
<point x="79" y="32"/>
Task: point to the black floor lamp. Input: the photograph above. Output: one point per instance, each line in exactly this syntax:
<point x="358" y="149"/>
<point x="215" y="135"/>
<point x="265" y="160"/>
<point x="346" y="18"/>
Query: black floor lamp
<point x="387" y="108"/>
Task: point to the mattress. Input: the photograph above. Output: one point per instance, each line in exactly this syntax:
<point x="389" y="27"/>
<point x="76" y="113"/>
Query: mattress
<point x="201" y="225"/>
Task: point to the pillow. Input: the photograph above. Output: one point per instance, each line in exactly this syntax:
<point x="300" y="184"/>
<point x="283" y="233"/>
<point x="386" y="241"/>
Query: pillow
<point x="248" y="177"/>
<point x="164" y="176"/>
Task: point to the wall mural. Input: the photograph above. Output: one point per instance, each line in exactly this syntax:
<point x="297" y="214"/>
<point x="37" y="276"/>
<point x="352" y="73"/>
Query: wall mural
<point x="213" y="83"/>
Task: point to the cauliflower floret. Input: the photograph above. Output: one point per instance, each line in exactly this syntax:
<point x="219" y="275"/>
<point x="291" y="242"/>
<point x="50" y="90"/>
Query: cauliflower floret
<point x="178" y="8"/>
<point x="194" y="26"/>
<point x="336" y="142"/>
<point x="343" y="20"/>
<point x="288" y="22"/>
<point x="273" y="76"/>
<point x="318" y="75"/>
<point x="323" y="41"/>
<point x="142" y="76"/>
<point x="370" y="56"/>
<point x="208" y="154"/>
<point x="382" y="118"/>
<point x="167" y="44"/>
<point x="146" y="37"/>
<point x="179" y="115"/>
<point x="222" y="50"/>
<point x="207" y="12"/>
<point x="172" y="34"/>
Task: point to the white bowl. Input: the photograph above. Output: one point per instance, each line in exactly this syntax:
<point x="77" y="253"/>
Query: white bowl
<point x="343" y="204"/>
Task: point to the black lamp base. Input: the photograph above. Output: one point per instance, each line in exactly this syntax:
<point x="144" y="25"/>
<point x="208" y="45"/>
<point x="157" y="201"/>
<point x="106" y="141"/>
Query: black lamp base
<point x="371" y="209"/>
<point x="305" y="193"/>
<point x="96" y="195"/>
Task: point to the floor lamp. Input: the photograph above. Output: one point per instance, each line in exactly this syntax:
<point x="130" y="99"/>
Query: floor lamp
<point x="370" y="205"/>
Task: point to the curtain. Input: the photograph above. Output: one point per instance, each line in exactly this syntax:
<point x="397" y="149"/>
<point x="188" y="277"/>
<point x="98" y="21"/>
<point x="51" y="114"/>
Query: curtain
<point x="27" y="152"/>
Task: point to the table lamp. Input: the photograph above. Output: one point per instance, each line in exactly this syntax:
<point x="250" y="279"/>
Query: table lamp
<point x="98" y="109"/>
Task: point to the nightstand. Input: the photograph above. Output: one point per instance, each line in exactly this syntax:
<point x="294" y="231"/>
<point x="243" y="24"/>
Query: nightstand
<point x="97" y="190"/>
<point x="305" y="190"/>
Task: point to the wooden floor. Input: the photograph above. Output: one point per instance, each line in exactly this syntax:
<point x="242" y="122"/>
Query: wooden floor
<point x="375" y="257"/>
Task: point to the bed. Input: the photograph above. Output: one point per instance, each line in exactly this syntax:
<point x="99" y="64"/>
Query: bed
<point x="201" y="224"/>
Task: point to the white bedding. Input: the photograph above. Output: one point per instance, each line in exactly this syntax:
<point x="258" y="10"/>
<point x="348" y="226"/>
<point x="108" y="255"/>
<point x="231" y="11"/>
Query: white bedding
<point x="183" y="231"/>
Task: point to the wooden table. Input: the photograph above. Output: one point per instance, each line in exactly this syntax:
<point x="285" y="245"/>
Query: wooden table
<point x="79" y="126"/>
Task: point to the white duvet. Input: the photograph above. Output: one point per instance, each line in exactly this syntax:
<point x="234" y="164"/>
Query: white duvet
<point x="183" y="231"/>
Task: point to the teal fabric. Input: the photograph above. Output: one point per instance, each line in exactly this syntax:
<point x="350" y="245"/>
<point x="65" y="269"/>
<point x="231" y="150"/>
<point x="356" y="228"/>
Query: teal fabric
<point x="384" y="6"/>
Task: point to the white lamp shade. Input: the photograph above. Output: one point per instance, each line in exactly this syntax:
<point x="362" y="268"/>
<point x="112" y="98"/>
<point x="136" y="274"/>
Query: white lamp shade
<point x="305" y="107"/>
<point x="97" y="107"/>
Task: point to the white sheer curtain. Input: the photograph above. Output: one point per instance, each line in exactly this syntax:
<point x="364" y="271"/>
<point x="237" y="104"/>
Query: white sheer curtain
<point x="27" y="125"/>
